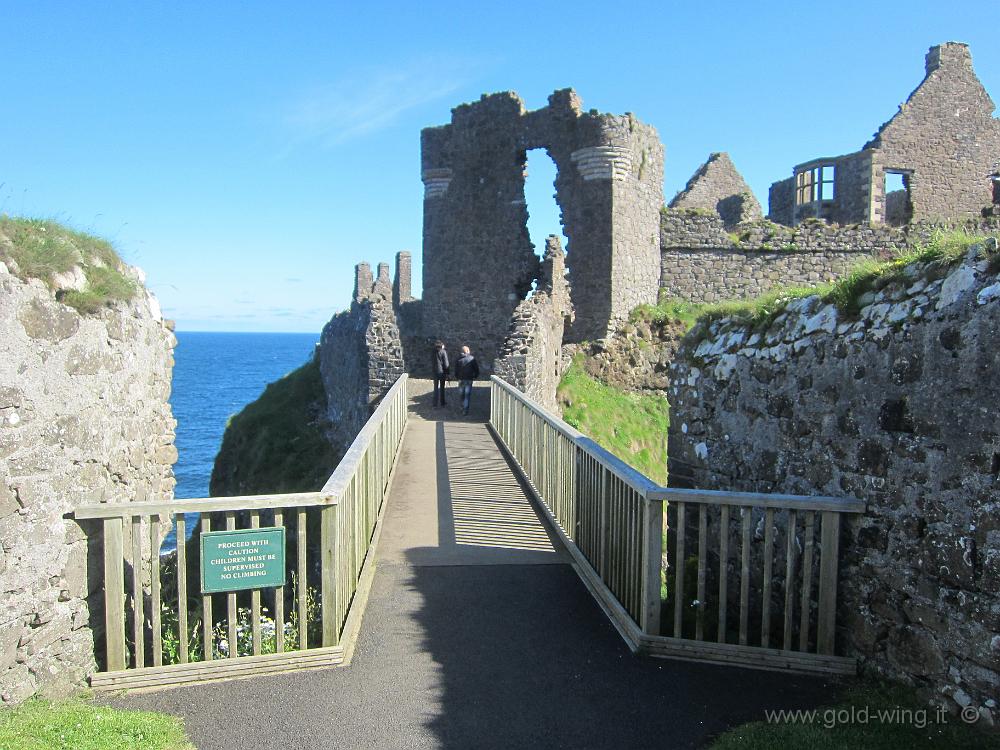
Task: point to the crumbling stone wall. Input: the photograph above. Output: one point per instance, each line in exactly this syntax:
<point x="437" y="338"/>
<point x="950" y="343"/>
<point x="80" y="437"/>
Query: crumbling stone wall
<point x="895" y="406"/>
<point x="84" y="418"/>
<point x="701" y="262"/>
<point x="531" y="357"/>
<point x="478" y="259"/>
<point x="717" y="186"/>
<point x="944" y="140"/>
<point x="361" y="353"/>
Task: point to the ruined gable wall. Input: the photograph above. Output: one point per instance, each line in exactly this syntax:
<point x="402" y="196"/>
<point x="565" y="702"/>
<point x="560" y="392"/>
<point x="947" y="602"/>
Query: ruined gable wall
<point x="895" y="407"/>
<point x="717" y="185"/>
<point x="84" y="418"/>
<point x="946" y="133"/>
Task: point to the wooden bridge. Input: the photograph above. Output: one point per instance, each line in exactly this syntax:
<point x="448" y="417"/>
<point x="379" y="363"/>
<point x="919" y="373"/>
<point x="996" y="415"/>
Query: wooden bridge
<point x="451" y="551"/>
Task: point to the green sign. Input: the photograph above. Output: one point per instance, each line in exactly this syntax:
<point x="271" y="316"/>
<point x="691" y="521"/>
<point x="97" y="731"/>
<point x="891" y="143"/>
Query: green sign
<point x="245" y="559"/>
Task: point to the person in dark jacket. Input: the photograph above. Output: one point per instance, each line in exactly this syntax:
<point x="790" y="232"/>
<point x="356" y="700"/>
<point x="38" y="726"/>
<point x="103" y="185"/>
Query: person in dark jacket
<point x="466" y="370"/>
<point x="442" y="369"/>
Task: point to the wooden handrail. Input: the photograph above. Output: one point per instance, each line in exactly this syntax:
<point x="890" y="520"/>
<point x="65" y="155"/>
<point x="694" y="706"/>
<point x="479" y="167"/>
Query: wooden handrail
<point x="348" y="464"/>
<point x="206" y="505"/>
<point x="759" y="500"/>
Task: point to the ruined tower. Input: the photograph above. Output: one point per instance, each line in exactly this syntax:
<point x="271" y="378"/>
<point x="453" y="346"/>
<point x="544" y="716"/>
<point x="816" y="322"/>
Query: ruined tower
<point x="478" y="260"/>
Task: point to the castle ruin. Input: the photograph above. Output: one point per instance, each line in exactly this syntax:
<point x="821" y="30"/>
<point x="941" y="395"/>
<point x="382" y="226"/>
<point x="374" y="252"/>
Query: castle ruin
<point x="940" y="146"/>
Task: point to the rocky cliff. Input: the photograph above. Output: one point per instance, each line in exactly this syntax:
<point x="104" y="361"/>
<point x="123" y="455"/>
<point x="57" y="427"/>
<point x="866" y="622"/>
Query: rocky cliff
<point x="84" y="418"/>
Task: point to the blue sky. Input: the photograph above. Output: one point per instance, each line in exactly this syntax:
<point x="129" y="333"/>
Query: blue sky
<point x="247" y="155"/>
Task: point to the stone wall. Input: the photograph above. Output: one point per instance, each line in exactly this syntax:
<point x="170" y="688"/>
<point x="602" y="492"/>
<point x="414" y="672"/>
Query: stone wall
<point x="531" y="357"/>
<point x="701" y="262"/>
<point x="896" y="406"/>
<point x="944" y="140"/>
<point x="84" y="418"/>
<point x="717" y="186"/>
<point x="479" y="263"/>
<point x="361" y="353"/>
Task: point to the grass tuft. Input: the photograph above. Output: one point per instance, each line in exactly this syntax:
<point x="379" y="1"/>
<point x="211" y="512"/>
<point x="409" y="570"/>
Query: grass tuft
<point x="41" y="725"/>
<point x="885" y="717"/>
<point x="629" y="425"/>
<point x="43" y="249"/>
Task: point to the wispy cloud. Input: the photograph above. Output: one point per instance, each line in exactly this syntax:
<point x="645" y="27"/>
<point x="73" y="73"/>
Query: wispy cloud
<point x="354" y="106"/>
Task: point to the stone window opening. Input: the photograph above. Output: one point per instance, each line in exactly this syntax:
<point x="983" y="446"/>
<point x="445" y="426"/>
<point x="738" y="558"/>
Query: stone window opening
<point x="814" y="184"/>
<point x="898" y="204"/>
<point x="544" y="214"/>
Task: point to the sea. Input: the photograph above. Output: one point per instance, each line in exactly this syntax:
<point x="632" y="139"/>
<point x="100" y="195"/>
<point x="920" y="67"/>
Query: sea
<point x="215" y="376"/>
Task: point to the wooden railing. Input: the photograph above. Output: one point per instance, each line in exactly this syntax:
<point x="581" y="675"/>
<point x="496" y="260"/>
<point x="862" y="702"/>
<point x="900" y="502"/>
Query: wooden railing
<point x="346" y="512"/>
<point x="756" y="562"/>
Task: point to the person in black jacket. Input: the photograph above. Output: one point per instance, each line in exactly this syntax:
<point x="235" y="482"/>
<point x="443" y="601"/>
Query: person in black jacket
<point x="442" y="369"/>
<point x="466" y="370"/>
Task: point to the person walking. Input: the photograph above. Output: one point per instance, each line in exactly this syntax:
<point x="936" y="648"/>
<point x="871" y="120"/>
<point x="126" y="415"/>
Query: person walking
<point x="442" y="369"/>
<point x="466" y="370"/>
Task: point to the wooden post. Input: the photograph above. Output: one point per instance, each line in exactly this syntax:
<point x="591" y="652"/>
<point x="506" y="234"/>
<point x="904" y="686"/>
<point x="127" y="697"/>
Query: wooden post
<point x="207" y="635"/>
<point x="154" y="588"/>
<point x="303" y="584"/>
<point x="789" y="580"/>
<point x="279" y="598"/>
<point x="723" y="571"/>
<point x="679" y="571"/>
<point x="328" y="561"/>
<point x="745" y="517"/>
<point x="765" y="610"/>
<point x="138" y="608"/>
<point x="702" y="565"/>
<point x="829" y="553"/>
<point x="808" y="536"/>
<point x="231" y="634"/>
<point x="182" y="604"/>
<point x="255" y="595"/>
<point x="114" y="593"/>
<point x="652" y="541"/>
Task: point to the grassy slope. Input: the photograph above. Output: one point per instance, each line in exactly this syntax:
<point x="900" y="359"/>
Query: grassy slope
<point x="41" y="725"/>
<point x="631" y="426"/>
<point x="275" y="443"/>
<point x="41" y="249"/>
<point x="833" y="728"/>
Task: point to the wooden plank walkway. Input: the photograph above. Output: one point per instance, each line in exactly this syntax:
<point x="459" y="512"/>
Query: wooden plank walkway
<point x="477" y="633"/>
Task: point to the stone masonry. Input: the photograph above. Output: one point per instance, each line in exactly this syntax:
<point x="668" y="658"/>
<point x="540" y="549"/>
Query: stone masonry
<point x="361" y="352"/>
<point x="717" y="186"/>
<point x="84" y="419"/>
<point x="894" y="405"/>
<point x="942" y="142"/>
<point x="479" y="263"/>
<point x="702" y="262"/>
<point x="531" y="357"/>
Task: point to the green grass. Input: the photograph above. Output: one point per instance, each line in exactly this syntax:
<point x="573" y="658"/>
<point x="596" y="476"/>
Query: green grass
<point x="631" y="426"/>
<point x="666" y="310"/>
<point x="276" y="444"/>
<point x="43" y="725"/>
<point x="899" y="727"/>
<point x="42" y="249"/>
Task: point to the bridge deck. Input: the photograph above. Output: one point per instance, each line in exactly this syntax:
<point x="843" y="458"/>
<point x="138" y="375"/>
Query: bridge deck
<point x="477" y="634"/>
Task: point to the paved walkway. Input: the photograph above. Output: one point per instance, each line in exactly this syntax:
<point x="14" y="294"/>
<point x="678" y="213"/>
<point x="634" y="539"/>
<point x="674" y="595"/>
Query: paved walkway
<point x="478" y="634"/>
